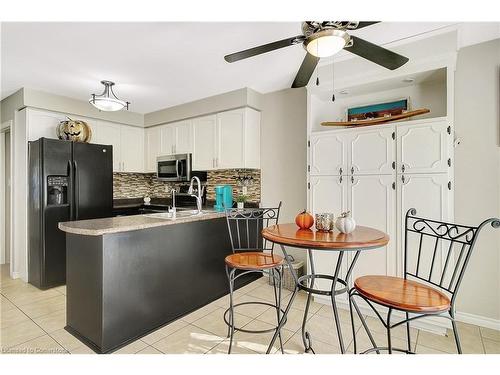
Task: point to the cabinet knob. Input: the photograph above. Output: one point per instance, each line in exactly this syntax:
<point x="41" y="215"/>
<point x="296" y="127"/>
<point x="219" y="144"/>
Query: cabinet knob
<point x="402" y="168"/>
<point x="403" y="178"/>
<point x="340" y="179"/>
<point x="352" y="179"/>
<point x="352" y="170"/>
<point x="340" y="170"/>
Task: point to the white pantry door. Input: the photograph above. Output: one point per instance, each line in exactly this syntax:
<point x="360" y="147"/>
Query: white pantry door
<point x="327" y="194"/>
<point x="424" y="148"/>
<point x="372" y="151"/>
<point x="430" y="196"/>
<point x="372" y="202"/>
<point x="328" y="154"/>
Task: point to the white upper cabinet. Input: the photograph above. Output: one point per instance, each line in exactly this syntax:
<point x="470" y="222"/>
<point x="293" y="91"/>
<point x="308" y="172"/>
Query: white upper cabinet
<point x="152" y="148"/>
<point x="423" y="148"/>
<point x="109" y="134"/>
<point x="167" y="143"/>
<point x="43" y="124"/>
<point x="183" y="137"/>
<point x="230" y="139"/>
<point x="372" y="151"/>
<point x="227" y="140"/>
<point x="204" y="143"/>
<point x="328" y="154"/>
<point x="127" y="141"/>
<point x="176" y="138"/>
<point x="132" y="149"/>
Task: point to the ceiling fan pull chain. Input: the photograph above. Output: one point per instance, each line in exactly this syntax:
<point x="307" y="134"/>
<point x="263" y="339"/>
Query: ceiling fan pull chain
<point x="317" y="70"/>
<point x="333" y="80"/>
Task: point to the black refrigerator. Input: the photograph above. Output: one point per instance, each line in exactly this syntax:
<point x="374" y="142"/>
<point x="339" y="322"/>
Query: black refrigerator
<point x="67" y="181"/>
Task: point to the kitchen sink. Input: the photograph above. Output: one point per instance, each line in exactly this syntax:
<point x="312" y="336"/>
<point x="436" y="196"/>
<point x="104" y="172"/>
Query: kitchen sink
<point x="179" y="215"/>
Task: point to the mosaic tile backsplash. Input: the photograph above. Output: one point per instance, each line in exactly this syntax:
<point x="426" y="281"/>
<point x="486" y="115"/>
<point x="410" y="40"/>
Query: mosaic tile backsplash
<point x="139" y="185"/>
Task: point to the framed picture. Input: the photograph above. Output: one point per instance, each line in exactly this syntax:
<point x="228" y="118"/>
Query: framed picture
<point x="372" y="111"/>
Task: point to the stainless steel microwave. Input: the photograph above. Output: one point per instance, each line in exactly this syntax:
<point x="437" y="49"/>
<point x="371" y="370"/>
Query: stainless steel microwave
<point x="174" y="167"/>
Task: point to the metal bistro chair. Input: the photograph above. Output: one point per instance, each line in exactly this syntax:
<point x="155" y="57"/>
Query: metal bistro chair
<point x="249" y="255"/>
<point x="424" y="290"/>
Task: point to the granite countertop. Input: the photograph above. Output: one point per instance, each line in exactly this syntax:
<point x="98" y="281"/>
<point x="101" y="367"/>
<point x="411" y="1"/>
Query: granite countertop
<point x="99" y="227"/>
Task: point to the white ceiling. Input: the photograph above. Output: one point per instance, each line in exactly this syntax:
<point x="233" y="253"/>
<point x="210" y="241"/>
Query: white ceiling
<point x="158" y="65"/>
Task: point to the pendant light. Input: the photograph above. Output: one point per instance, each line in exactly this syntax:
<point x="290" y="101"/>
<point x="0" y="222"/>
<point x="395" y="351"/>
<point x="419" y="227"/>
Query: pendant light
<point x="108" y="101"/>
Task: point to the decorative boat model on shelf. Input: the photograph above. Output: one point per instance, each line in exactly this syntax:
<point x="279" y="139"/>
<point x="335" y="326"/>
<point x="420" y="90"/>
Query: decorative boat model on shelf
<point x="378" y="120"/>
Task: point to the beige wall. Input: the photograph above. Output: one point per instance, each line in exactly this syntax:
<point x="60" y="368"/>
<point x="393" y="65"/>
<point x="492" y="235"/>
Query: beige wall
<point x="284" y="153"/>
<point x="10" y="105"/>
<point x="230" y="100"/>
<point x="477" y="171"/>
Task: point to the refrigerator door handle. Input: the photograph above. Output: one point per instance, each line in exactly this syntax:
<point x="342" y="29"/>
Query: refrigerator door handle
<point x="71" y="189"/>
<point x="76" y="189"/>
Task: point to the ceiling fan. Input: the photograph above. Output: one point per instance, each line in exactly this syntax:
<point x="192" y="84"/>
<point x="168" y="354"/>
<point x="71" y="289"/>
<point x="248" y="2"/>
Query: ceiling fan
<point x="323" y="39"/>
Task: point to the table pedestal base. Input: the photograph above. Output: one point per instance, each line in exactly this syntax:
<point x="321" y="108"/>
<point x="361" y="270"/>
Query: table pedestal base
<point x="306" y="283"/>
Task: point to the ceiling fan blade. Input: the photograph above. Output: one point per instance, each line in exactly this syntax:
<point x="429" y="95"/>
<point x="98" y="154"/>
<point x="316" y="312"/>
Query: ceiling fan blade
<point x="362" y="24"/>
<point x="376" y="54"/>
<point x="263" y="48"/>
<point x="305" y="71"/>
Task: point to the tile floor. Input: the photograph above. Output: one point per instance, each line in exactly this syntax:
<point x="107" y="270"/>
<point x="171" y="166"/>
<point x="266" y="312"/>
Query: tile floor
<point x="32" y="321"/>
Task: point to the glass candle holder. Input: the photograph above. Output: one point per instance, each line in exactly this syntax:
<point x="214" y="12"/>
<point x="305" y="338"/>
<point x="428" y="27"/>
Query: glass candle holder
<point x="325" y="222"/>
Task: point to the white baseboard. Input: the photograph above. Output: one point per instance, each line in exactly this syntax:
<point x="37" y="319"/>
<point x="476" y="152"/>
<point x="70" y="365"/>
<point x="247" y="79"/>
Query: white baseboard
<point x="478" y="320"/>
<point x="431" y="324"/>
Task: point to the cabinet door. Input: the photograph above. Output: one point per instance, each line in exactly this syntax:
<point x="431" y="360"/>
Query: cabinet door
<point x="327" y="194"/>
<point x="204" y="143"/>
<point x="230" y="140"/>
<point x="43" y="124"/>
<point x="132" y="149"/>
<point x="109" y="134"/>
<point x="167" y="143"/>
<point x="183" y="137"/>
<point x="423" y="148"/>
<point x="430" y="196"/>
<point x="372" y="151"/>
<point x="372" y="202"/>
<point x="328" y="155"/>
<point x="153" y="143"/>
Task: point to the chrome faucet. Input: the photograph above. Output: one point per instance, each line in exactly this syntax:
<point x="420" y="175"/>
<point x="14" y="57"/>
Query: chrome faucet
<point x="198" y="192"/>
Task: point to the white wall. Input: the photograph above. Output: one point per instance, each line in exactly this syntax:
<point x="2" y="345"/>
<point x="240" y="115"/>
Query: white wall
<point x="284" y="153"/>
<point x="477" y="171"/>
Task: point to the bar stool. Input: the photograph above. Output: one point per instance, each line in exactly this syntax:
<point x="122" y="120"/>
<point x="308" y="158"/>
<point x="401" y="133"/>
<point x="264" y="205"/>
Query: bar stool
<point x="426" y="289"/>
<point x="252" y="254"/>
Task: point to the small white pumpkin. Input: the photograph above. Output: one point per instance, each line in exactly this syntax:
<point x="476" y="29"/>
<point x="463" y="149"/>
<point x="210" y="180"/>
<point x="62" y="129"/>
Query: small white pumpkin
<point x="345" y="223"/>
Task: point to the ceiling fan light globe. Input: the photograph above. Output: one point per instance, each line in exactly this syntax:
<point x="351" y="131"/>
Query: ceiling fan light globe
<point x="107" y="104"/>
<point x="326" y="43"/>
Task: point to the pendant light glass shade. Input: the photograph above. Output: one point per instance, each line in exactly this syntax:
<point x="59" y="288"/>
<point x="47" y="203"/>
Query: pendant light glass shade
<point x="108" y="101"/>
<point x="326" y="43"/>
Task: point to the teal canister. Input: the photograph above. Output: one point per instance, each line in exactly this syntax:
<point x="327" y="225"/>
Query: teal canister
<point x="228" y="196"/>
<point x="219" y="198"/>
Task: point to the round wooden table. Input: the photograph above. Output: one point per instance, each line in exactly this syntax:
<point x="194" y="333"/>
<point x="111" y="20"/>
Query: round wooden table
<point x="362" y="238"/>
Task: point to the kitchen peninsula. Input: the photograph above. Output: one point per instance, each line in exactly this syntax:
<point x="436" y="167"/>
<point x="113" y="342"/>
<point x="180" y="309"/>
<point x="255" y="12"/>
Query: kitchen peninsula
<point x="127" y="276"/>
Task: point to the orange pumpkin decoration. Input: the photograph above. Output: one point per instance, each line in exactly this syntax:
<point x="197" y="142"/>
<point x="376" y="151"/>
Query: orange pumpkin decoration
<point x="304" y="220"/>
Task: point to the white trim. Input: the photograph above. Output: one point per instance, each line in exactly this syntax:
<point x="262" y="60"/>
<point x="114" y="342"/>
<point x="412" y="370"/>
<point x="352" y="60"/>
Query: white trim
<point x="3" y="177"/>
<point x="430" y="324"/>
<point x="478" y="320"/>
<point x="4" y="128"/>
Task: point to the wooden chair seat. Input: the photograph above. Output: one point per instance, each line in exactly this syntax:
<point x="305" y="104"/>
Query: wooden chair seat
<point x="250" y="260"/>
<point x="401" y="294"/>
